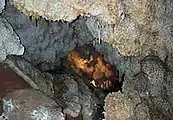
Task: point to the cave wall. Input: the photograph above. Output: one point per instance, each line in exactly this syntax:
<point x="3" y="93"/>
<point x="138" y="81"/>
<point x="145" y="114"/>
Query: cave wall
<point x="125" y="32"/>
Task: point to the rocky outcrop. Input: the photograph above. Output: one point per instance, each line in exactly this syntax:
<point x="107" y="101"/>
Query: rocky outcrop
<point x="75" y="97"/>
<point x="35" y="78"/>
<point x="126" y="106"/>
<point x="67" y="90"/>
<point x="30" y="104"/>
<point x="146" y="95"/>
<point x="44" y="41"/>
<point x="117" y="28"/>
<point x="141" y="31"/>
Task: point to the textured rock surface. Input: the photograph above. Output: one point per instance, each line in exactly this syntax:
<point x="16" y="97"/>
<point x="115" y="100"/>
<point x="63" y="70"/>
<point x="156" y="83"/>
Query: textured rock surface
<point x="47" y="42"/>
<point x="129" y="28"/>
<point x="143" y="30"/>
<point x="9" y="41"/>
<point x="138" y="25"/>
<point x="99" y="29"/>
<point x="128" y="39"/>
<point x="31" y="75"/>
<point x="30" y="105"/>
<point x="10" y="81"/>
<point x="147" y="94"/>
<point x="81" y="33"/>
<point x="154" y="68"/>
<point x="69" y="91"/>
<point x="68" y="10"/>
<point x="75" y="96"/>
<point x="44" y="41"/>
<point x="125" y="107"/>
<point x="169" y="60"/>
<point x="129" y="66"/>
<point x="2" y="5"/>
<point x="158" y="87"/>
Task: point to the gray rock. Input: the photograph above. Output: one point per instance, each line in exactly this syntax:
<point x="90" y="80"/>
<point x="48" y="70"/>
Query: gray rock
<point x="9" y="41"/>
<point x="2" y="5"/>
<point x="110" y="54"/>
<point x="126" y="106"/>
<point x="35" y="78"/>
<point x="67" y="90"/>
<point x="154" y="68"/>
<point x="169" y="84"/>
<point x="138" y="82"/>
<point x="129" y="66"/>
<point x="169" y="60"/>
<point x="158" y="88"/>
<point x="75" y="96"/>
<point x="147" y="95"/>
<point x="44" y="41"/>
<point x="99" y="29"/>
<point x="30" y="105"/>
<point x="82" y="35"/>
<point x="147" y="87"/>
